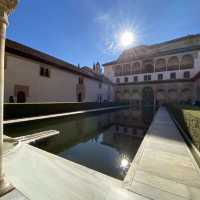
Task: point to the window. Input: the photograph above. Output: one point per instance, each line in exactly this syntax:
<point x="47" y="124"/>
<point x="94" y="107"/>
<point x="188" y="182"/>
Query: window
<point x="44" y="72"/>
<point x="118" y="80"/>
<point x="186" y="75"/>
<point x="160" y="76"/>
<point x="173" y="75"/>
<point x="126" y="79"/>
<point x="41" y="71"/>
<point x="47" y="73"/>
<point x="147" y="77"/>
<point x="135" y="78"/>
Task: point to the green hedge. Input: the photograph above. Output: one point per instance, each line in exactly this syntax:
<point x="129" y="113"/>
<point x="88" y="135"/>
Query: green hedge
<point x="14" y="110"/>
<point x="189" y="122"/>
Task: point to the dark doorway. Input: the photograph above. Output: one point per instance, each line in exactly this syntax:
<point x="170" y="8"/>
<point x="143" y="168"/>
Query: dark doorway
<point x="21" y="97"/>
<point x="80" y="99"/>
<point x="11" y="99"/>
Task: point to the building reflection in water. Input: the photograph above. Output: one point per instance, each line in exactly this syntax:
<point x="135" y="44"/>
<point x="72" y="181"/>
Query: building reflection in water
<point x="106" y="142"/>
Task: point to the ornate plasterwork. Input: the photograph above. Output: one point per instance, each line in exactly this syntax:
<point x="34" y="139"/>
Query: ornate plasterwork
<point x="8" y="5"/>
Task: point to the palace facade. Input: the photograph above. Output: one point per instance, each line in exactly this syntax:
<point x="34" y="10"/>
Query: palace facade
<point x="146" y="74"/>
<point x="33" y="76"/>
<point x="159" y="73"/>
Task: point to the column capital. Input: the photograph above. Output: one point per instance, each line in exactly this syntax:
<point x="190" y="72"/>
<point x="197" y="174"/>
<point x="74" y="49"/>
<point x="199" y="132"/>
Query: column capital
<point x="8" y="5"/>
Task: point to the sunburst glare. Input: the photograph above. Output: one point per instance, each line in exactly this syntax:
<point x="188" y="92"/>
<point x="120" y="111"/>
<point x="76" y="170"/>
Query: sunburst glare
<point x="126" y="38"/>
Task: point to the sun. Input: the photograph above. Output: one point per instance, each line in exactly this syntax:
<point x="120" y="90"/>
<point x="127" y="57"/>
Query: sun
<point x="126" y="38"/>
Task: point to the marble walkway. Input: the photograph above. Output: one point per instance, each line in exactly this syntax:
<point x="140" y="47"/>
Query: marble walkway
<point x="163" y="169"/>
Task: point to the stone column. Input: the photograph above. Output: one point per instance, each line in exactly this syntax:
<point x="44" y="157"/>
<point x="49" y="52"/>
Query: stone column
<point x="6" y="6"/>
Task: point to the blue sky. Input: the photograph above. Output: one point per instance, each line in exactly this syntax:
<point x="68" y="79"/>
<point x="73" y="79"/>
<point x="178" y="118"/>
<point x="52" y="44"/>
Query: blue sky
<point x="86" y="31"/>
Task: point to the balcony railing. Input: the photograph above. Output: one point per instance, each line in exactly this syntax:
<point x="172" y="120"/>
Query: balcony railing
<point x="172" y="67"/>
<point x="189" y="66"/>
<point x="160" y="69"/>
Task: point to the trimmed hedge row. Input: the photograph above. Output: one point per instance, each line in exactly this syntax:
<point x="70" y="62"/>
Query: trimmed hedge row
<point x="21" y="110"/>
<point x="189" y="123"/>
<point x="178" y="114"/>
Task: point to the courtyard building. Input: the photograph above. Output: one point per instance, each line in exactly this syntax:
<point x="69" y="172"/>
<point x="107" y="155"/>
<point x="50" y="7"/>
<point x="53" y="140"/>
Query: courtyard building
<point x="147" y="74"/>
<point x="33" y="76"/>
<point x="159" y="73"/>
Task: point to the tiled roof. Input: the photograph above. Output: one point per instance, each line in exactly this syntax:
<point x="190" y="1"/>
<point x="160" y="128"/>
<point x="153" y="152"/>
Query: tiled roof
<point x="33" y="54"/>
<point x="153" y="53"/>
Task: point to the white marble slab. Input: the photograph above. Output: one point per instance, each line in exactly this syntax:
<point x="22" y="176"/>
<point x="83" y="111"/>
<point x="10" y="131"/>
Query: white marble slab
<point x="164" y="168"/>
<point x="40" y="175"/>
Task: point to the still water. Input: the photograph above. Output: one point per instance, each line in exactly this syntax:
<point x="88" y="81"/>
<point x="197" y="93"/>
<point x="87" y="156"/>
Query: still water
<point x="105" y="141"/>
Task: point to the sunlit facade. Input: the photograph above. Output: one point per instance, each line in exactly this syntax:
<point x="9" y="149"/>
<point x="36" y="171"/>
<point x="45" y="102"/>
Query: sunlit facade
<point x="160" y="73"/>
<point x="33" y="76"/>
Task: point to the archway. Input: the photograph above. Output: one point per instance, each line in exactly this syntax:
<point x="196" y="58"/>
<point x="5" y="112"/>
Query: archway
<point x="173" y="63"/>
<point x="147" y="96"/>
<point x="148" y="66"/>
<point x="21" y="97"/>
<point x="135" y="99"/>
<point x="187" y="62"/>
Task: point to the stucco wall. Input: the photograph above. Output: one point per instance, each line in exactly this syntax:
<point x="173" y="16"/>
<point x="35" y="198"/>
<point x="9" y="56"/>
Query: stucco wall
<point x="61" y="86"/>
<point x="109" y="72"/>
<point x="93" y="91"/>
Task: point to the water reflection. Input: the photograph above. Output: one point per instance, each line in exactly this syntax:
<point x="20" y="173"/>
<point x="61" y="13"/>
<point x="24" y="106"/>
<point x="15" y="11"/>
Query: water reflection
<point x="106" y="142"/>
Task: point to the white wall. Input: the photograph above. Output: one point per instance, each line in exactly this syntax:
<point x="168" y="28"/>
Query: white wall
<point x="61" y="86"/>
<point x="93" y="90"/>
<point x="109" y="72"/>
<point x="154" y="76"/>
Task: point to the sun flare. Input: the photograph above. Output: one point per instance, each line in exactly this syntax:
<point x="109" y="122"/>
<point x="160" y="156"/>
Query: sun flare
<point x="126" y="38"/>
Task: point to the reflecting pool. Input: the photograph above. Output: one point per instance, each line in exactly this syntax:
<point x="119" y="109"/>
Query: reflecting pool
<point x="105" y="141"/>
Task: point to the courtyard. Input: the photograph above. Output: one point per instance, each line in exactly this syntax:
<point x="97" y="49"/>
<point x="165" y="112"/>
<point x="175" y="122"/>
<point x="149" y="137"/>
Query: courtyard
<point x="99" y="100"/>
